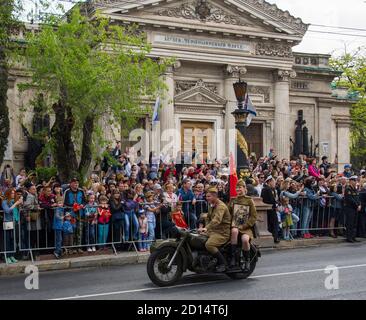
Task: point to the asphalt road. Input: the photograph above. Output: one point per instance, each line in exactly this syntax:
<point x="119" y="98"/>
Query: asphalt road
<point x="287" y="274"/>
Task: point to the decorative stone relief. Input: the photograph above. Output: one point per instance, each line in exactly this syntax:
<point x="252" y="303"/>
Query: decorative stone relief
<point x="261" y="90"/>
<point x="285" y="75"/>
<point x="273" y="49"/>
<point x="170" y="69"/>
<point x="278" y="14"/>
<point x="235" y="71"/>
<point x="181" y="86"/>
<point x="197" y="92"/>
<point x="203" y="11"/>
<point x="265" y="114"/>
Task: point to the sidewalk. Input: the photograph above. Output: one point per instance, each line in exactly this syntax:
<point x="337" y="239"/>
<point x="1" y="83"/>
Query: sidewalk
<point x="48" y="263"/>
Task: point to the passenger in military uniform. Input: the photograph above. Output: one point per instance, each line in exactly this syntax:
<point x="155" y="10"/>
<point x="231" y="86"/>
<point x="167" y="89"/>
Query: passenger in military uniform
<point x="244" y="217"/>
<point x="218" y="224"/>
<point x="352" y="206"/>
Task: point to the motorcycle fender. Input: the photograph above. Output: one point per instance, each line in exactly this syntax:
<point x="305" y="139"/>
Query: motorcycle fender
<point x="174" y="244"/>
<point x="165" y="243"/>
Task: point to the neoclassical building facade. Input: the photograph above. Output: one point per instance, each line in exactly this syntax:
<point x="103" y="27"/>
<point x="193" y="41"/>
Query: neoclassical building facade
<point x="214" y="42"/>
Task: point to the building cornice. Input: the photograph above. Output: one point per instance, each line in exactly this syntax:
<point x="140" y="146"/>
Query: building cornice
<point x="270" y="14"/>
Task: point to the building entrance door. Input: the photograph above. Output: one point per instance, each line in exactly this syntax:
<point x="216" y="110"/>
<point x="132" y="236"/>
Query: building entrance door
<point x="197" y="140"/>
<point x="254" y="137"/>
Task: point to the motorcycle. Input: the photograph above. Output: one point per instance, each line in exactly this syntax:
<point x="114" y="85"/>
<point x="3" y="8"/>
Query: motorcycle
<point x="170" y="258"/>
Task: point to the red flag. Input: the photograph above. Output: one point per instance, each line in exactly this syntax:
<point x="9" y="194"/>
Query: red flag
<point x="233" y="180"/>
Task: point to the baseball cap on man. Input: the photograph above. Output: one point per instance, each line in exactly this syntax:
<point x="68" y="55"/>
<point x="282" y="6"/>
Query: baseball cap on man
<point x="347" y="166"/>
<point x="353" y="178"/>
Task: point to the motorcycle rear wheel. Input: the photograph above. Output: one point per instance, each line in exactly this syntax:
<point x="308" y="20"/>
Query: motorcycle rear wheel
<point x="254" y="253"/>
<point x="243" y="275"/>
<point x="157" y="269"/>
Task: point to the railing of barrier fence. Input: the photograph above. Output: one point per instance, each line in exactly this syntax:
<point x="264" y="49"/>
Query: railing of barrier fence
<point x="318" y="217"/>
<point x="63" y="230"/>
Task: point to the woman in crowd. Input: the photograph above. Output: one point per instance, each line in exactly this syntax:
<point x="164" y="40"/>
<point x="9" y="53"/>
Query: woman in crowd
<point x="313" y="170"/>
<point x="10" y="206"/>
<point x="130" y="208"/>
<point x="118" y="217"/>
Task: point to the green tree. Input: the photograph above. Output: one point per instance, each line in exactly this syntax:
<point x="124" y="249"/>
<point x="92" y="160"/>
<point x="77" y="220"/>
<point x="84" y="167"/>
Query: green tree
<point x="353" y="68"/>
<point x="8" y="12"/>
<point x="88" y="69"/>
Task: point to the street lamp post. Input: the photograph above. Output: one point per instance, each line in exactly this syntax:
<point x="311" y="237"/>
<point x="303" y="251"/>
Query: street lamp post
<point x="241" y="114"/>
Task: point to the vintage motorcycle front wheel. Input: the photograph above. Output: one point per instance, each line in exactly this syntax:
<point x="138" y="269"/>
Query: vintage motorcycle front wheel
<point x="158" y="270"/>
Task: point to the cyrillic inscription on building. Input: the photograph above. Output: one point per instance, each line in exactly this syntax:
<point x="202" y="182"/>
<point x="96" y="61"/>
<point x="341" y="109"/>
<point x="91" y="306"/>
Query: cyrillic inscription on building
<point x="200" y="42"/>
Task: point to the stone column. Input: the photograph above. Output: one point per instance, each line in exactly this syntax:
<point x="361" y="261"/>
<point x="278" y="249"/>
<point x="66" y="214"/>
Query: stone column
<point x="282" y="113"/>
<point x="166" y="112"/>
<point x="343" y="143"/>
<point x="325" y="134"/>
<point x="231" y="74"/>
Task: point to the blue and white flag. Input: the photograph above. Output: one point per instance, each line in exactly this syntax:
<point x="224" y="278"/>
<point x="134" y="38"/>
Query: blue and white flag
<point x="155" y="117"/>
<point x="252" y="110"/>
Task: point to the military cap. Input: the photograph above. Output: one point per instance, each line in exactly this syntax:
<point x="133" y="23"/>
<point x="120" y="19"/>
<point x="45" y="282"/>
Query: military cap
<point x="212" y="190"/>
<point x="240" y="183"/>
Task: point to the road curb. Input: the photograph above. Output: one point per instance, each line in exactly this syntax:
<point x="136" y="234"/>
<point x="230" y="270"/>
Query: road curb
<point x="136" y="258"/>
<point x="300" y="243"/>
<point x="75" y="263"/>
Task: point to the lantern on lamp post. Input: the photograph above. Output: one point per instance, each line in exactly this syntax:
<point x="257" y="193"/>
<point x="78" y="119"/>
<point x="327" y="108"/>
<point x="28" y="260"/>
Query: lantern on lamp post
<point x="241" y="114"/>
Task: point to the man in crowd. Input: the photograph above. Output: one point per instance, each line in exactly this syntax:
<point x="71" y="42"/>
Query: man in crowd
<point x="186" y="195"/>
<point x="74" y="199"/>
<point x="352" y="207"/>
<point x="325" y="166"/>
<point x="270" y="196"/>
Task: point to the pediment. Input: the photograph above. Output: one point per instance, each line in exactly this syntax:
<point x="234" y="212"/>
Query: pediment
<point x="200" y="93"/>
<point x="252" y="14"/>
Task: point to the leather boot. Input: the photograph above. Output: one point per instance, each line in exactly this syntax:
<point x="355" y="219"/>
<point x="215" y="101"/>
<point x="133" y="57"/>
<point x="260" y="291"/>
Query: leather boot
<point x="233" y="254"/>
<point x="246" y="255"/>
<point x="221" y="263"/>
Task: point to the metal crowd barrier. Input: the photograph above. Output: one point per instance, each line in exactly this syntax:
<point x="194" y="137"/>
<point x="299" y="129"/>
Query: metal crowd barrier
<point x="316" y="217"/>
<point x="33" y="234"/>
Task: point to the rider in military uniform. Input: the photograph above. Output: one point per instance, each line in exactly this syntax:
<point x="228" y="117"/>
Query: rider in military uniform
<point x="244" y="217"/>
<point x="352" y="206"/>
<point x="217" y="228"/>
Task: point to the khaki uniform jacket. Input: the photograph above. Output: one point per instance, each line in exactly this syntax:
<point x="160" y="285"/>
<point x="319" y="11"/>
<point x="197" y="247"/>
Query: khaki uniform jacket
<point x="218" y="223"/>
<point x="244" y="214"/>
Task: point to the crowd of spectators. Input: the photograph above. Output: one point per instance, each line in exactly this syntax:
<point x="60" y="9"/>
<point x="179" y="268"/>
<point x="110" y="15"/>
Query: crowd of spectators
<point x="143" y="200"/>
